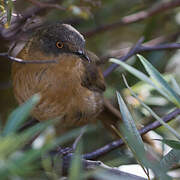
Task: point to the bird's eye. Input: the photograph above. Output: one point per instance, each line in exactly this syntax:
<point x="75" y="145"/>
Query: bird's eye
<point x="59" y="44"/>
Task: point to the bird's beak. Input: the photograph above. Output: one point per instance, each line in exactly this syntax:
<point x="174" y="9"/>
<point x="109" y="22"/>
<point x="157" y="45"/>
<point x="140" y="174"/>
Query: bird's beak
<point x="83" y="54"/>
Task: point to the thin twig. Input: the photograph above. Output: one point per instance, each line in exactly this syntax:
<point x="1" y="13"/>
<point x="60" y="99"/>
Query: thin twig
<point x="31" y="122"/>
<point x="138" y="48"/>
<point x="18" y="60"/>
<point x="124" y="58"/>
<point x="74" y="146"/>
<point x="116" y="144"/>
<point x="112" y="170"/>
<point x="153" y="42"/>
<point x="18" y="21"/>
<point x="98" y="167"/>
<point x="139" y="16"/>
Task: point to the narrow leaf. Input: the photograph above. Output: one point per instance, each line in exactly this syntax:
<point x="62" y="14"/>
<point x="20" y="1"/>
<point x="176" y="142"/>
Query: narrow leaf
<point x="152" y="112"/>
<point x="9" y="11"/>
<point x="171" y="159"/>
<point x="175" y="85"/>
<point x="173" y="96"/>
<point x="75" y="170"/>
<point x="154" y="165"/>
<point x="18" y="116"/>
<point x="130" y="134"/>
<point x="111" y="174"/>
<point x="128" y="120"/>
<point x="172" y="143"/>
<point x="139" y="75"/>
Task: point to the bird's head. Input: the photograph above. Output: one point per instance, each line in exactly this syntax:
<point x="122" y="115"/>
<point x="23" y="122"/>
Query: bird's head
<point x="60" y="38"/>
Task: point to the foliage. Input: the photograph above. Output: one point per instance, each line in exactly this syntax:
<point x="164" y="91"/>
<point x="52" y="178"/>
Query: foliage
<point x="152" y="92"/>
<point x="18" y="161"/>
<point x="129" y="131"/>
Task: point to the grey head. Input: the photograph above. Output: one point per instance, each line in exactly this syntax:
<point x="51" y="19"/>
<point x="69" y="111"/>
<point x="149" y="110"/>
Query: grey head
<point x="60" y="38"/>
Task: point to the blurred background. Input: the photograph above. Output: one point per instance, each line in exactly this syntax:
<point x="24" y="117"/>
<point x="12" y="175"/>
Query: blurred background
<point x="110" y="31"/>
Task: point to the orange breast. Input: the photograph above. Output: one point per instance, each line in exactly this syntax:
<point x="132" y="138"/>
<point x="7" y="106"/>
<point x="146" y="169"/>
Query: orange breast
<point x="62" y="94"/>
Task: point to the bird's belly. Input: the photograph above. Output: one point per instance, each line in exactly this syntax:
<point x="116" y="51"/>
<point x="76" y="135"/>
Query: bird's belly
<point x="76" y="112"/>
<point x="62" y="95"/>
<point x="73" y="111"/>
<point x="74" y="106"/>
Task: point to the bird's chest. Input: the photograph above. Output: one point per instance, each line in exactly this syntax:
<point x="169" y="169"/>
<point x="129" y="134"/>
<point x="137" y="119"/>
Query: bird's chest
<point x="62" y="94"/>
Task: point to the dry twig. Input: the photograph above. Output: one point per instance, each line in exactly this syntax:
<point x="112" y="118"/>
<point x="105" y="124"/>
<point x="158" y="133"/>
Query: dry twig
<point x="138" y="48"/>
<point x="116" y="144"/>
<point x="136" y="17"/>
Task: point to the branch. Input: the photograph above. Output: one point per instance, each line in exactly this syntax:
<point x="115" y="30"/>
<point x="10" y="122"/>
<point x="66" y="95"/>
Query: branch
<point x="153" y="42"/>
<point x="139" y="16"/>
<point x="18" y="21"/>
<point x="110" y="170"/>
<point x="18" y="60"/>
<point x="116" y="144"/>
<point x="124" y="58"/>
<point x="98" y="167"/>
<point x="138" y="48"/>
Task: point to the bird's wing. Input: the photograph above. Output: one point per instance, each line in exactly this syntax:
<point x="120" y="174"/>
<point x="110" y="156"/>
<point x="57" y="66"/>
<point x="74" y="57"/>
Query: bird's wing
<point x="93" y="57"/>
<point x="93" y="78"/>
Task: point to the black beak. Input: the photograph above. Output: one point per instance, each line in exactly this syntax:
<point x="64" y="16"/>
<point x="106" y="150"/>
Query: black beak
<point x="83" y="55"/>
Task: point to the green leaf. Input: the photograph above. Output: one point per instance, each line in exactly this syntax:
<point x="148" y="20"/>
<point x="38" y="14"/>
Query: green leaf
<point x="110" y="174"/>
<point x="154" y="165"/>
<point x="139" y="75"/>
<point x="133" y="140"/>
<point x="173" y="96"/>
<point x="128" y="121"/>
<point x="18" y="116"/>
<point x="176" y="134"/>
<point x="29" y="160"/>
<point x="9" y="11"/>
<point x="21" y="139"/>
<point x="130" y="134"/>
<point x="172" y="143"/>
<point x="170" y="159"/>
<point x="75" y="170"/>
<point x="175" y="85"/>
<point x="2" y="10"/>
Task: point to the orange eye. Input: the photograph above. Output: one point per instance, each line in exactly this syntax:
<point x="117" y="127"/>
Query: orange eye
<point x="59" y="45"/>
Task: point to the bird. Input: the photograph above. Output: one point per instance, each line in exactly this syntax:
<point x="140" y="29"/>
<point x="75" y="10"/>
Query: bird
<point x="71" y="89"/>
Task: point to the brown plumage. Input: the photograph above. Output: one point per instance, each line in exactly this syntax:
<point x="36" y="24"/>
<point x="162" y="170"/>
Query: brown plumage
<point x="71" y="88"/>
